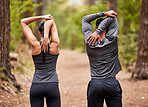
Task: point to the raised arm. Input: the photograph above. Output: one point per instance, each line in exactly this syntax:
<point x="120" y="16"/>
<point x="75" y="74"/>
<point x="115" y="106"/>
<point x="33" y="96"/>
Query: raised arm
<point x="54" y="46"/>
<point x="86" y="26"/>
<point x="26" y="29"/>
<point x="104" y="24"/>
<point x="110" y="23"/>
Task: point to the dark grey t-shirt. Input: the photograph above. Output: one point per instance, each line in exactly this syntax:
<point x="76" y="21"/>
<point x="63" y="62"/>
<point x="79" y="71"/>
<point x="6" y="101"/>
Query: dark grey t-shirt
<point x="103" y="57"/>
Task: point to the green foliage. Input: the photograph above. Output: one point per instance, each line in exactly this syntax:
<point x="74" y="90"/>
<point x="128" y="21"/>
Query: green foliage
<point x="18" y="10"/>
<point x="68" y="18"/>
<point x="127" y="48"/>
<point x="69" y="21"/>
<point x="129" y="13"/>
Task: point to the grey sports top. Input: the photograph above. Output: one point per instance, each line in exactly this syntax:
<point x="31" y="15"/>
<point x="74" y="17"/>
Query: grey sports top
<point x="45" y="71"/>
<point x="103" y="57"/>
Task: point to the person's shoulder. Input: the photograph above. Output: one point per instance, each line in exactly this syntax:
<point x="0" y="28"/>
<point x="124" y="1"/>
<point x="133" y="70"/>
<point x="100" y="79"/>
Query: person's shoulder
<point x="111" y="18"/>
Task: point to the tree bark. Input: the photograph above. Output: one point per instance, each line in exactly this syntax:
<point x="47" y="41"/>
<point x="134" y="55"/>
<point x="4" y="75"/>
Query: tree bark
<point x="39" y="11"/>
<point x="112" y="4"/>
<point x="24" y="15"/>
<point x="89" y="2"/>
<point x="141" y="70"/>
<point x="5" y="68"/>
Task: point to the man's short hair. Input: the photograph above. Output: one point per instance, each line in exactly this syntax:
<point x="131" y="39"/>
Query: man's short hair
<point x="99" y="21"/>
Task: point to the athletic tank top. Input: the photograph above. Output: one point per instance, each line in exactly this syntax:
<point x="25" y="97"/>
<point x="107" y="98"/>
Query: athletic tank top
<point x="45" y="70"/>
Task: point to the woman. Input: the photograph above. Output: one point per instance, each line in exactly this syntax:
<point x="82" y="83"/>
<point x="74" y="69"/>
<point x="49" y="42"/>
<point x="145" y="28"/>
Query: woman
<point x="45" y="80"/>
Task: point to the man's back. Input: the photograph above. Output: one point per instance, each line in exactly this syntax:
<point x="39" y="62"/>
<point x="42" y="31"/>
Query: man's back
<point x="103" y="57"/>
<point x="104" y="62"/>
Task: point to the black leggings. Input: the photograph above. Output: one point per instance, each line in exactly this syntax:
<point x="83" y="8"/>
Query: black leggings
<point x="50" y="91"/>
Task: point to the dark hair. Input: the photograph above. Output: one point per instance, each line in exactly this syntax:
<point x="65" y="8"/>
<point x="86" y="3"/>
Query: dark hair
<point x="41" y="28"/>
<point x="99" y="21"/>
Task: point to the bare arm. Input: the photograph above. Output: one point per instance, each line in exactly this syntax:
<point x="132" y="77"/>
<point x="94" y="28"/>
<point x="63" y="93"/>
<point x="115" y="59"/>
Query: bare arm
<point x="50" y="25"/>
<point x="26" y="29"/>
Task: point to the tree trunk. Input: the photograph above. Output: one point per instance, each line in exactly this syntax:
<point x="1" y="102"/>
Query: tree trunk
<point x="39" y="11"/>
<point x="89" y="2"/>
<point x="25" y="15"/>
<point x="44" y="5"/>
<point x="141" y="70"/>
<point x="112" y="4"/>
<point x="5" y="68"/>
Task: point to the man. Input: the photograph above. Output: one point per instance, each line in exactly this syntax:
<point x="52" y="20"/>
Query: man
<point x="102" y="51"/>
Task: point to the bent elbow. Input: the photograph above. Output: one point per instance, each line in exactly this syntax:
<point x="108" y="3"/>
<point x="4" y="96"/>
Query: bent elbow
<point x="22" y="21"/>
<point x="84" y="18"/>
<point x="58" y="43"/>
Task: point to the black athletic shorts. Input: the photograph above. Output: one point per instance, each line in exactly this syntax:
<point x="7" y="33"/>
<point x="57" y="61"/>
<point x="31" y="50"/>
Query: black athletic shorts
<point x="49" y="91"/>
<point x="107" y="89"/>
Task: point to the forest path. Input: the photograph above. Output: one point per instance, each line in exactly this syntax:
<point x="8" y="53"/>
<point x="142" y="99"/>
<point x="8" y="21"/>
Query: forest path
<point x="74" y="75"/>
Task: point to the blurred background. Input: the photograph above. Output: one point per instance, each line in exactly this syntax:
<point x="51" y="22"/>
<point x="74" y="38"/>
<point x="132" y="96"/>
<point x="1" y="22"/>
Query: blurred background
<point x="17" y="68"/>
<point x="68" y="16"/>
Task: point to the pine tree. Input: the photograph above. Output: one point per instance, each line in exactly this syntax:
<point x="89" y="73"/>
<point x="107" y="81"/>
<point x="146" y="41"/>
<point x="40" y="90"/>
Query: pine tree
<point x="5" y="68"/>
<point x="141" y="70"/>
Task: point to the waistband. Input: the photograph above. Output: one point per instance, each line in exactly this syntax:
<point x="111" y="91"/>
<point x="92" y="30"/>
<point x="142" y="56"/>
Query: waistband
<point x="103" y="78"/>
<point x="45" y="82"/>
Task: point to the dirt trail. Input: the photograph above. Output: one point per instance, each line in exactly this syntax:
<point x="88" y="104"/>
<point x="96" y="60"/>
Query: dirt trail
<point x="74" y="75"/>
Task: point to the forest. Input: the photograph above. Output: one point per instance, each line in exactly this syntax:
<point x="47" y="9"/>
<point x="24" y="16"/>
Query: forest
<point x="68" y="16"/>
<point x="17" y="67"/>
